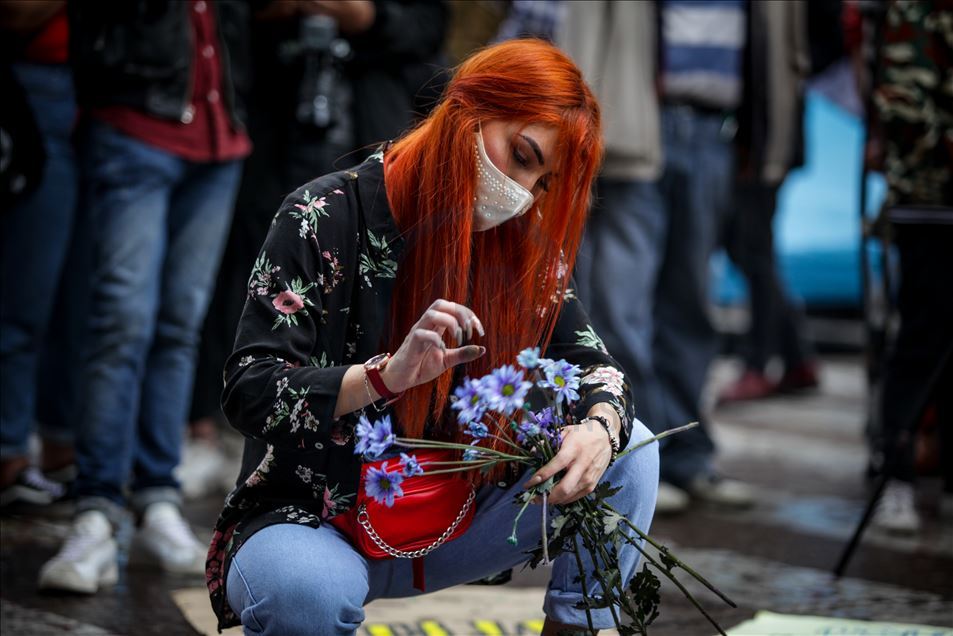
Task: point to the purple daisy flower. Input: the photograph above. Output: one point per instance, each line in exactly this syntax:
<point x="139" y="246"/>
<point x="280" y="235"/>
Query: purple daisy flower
<point x="545" y="418"/>
<point x="563" y="379"/>
<point x="373" y="439"/>
<point x="362" y="433"/>
<point x="472" y="454"/>
<point x="409" y="465"/>
<point x="383" y="486"/>
<point x="528" y="358"/>
<point x="539" y="423"/>
<point x="468" y="399"/>
<point x="505" y="390"/>
<point x="477" y="430"/>
<point x="527" y="429"/>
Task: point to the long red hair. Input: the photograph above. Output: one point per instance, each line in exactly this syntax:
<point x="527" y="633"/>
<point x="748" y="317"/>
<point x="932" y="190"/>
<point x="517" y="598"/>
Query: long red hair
<point x="513" y="276"/>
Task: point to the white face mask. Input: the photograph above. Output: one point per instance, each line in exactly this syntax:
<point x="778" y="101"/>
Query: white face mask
<point x="498" y="198"/>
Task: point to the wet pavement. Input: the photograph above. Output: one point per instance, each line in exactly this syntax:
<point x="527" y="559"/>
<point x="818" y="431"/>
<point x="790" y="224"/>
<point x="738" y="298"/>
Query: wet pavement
<point x="805" y="455"/>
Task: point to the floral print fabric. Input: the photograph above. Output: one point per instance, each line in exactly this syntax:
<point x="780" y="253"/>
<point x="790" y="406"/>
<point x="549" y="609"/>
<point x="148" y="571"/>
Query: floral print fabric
<point x="318" y="297"/>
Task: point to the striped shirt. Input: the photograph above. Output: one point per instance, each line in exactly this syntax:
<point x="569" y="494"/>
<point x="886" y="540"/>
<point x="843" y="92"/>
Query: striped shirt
<point x="701" y="48"/>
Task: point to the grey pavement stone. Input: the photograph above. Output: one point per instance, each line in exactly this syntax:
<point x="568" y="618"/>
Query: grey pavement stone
<point x="767" y="585"/>
<point x="23" y="620"/>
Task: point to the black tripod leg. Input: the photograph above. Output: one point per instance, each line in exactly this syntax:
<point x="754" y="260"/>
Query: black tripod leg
<point x="864" y="522"/>
<point x="922" y="400"/>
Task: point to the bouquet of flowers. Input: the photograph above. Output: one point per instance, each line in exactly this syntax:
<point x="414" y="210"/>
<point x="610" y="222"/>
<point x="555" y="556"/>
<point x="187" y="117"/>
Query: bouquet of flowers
<point x="485" y="408"/>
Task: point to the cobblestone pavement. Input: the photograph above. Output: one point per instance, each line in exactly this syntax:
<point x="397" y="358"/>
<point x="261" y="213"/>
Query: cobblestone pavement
<point x="805" y="455"/>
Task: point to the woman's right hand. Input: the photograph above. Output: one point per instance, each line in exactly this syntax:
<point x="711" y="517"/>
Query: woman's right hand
<point x="423" y="355"/>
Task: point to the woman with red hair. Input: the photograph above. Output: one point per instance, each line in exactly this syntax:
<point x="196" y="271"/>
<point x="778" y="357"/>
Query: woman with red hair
<point x="451" y="248"/>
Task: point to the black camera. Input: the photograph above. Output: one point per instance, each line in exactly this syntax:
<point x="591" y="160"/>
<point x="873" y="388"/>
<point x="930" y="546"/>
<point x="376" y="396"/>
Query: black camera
<point x="323" y="98"/>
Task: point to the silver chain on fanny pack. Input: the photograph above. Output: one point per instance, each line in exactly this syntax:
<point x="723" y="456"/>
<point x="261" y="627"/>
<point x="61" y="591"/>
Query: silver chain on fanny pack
<point x="365" y="520"/>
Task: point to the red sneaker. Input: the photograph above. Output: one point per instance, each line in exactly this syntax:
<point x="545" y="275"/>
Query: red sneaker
<point x="750" y="386"/>
<point x="804" y="376"/>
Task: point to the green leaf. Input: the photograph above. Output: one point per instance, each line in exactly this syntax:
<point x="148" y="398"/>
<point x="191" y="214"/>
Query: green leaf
<point x="610" y="522"/>
<point x="644" y="594"/>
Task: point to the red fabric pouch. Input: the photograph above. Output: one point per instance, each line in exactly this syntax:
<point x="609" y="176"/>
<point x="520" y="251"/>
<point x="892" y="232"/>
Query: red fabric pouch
<point x="434" y="509"/>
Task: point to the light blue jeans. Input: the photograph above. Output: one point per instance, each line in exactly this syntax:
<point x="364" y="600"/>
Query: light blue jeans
<point x="289" y="579"/>
<point x="643" y="274"/>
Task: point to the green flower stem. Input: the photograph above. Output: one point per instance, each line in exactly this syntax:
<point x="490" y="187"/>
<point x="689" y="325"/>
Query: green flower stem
<point x="455" y="462"/>
<point x="589" y="511"/>
<point x="545" y="536"/>
<point x="462" y="469"/>
<point x="593" y="547"/>
<point x="506" y="441"/>
<point x="596" y="547"/>
<point x="656" y="438"/>
<point x="671" y="577"/>
<point x="599" y="542"/>
<point x="420" y="443"/>
<point x="678" y="562"/>
<point x="519" y="514"/>
<point x="585" y="585"/>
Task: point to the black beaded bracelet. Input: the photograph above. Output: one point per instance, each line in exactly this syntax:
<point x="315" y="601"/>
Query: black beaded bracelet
<point x="613" y="442"/>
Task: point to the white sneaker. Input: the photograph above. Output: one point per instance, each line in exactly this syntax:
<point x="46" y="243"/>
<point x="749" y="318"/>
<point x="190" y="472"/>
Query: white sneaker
<point x="896" y="511"/>
<point x="201" y="468"/>
<point x="87" y="560"/>
<point x="715" y="489"/>
<point x="165" y="539"/>
<point x="670" y="499"/>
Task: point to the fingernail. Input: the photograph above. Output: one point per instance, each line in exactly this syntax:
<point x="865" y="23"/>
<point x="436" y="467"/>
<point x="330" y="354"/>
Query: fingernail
<point x="459" y="336"/>
<point x="479" y="326"/>
<point x="482" y="350"/>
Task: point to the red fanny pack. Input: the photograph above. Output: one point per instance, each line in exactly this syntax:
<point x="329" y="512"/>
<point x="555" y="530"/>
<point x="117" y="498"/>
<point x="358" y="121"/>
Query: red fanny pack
<point x="433" y="510"/>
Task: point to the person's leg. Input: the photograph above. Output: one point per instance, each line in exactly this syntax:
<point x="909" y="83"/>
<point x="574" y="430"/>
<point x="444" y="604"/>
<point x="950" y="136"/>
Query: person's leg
<point x="290" y="580"/>
<point x="776" y="326"/>
<point x="926" y="311"/>
<point x="129" y="184"/>
<point x="484" y="550"/>
<point x="696" y="186"/>
<point x="777" y="323"/>
<point x="623" y="252"/>
<point x="199" y="214"/>
<point x="753" y="253"/>
<point x="60" y="373"/>
<point x="34" y="239"/>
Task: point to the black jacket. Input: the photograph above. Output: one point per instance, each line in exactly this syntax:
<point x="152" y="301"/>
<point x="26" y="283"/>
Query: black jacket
<point x="139" y="53"/>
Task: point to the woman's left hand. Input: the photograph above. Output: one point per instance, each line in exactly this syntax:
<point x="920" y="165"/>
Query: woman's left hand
<point x="584" y="454"/>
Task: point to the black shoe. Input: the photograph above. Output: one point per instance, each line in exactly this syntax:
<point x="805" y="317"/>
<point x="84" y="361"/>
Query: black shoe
<point x="31" y="487"/>
<point x="496" y="579"/>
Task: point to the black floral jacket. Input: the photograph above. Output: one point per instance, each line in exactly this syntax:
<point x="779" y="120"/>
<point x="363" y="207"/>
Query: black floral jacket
<point x="318" y="297"/>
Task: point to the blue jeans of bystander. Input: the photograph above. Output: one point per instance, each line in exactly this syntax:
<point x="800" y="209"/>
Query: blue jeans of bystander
<point x="643" y="273"/>
<point x="35" y="238"/>
<point x="159" y="226"/>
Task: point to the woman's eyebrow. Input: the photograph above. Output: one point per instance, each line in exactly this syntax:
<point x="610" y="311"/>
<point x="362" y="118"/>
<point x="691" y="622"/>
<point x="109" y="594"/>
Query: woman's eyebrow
<point x="535" y="146"/>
